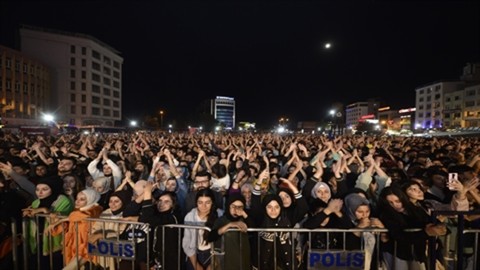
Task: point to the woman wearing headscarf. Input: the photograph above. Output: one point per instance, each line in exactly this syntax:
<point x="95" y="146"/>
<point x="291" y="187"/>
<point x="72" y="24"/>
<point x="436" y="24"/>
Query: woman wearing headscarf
<point x="236" y="243"/>
<point x="275" y="250"/>
<point x="111" y="230"/>
<point x="325" y="213"/>
<point x="294" y="205"/>
<point x="50" y="199"/>
<point x="102" y="186"/>
<point x="357" y="208"/>
<point x="76" y="233"/>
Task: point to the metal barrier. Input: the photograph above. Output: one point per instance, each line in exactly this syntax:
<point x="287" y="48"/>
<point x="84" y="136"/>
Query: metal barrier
<point x="110" y="244"/>
<point x="114" y="247"/>
<point x="457" y="258"/>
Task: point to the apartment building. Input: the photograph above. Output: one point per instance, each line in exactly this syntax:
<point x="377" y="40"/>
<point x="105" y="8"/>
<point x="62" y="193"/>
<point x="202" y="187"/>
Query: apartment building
<point x="24" y="87"/>
<point x="86" y="84"/>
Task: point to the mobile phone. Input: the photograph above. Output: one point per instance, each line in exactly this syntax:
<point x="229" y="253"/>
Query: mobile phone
<point x="451" y="178"/>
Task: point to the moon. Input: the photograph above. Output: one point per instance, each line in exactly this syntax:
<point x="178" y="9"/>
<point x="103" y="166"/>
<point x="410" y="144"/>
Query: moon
<point x="327" y="45"/>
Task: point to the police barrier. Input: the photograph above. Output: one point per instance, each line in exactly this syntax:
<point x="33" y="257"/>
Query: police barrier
<point x="110" y="246"/>
<point x="105" y="243"/>
<point x="285" y="249"/>
<point x="115" y="243"/>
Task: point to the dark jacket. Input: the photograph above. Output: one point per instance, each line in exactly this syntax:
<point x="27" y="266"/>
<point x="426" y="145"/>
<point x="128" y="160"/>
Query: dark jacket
<point x="274" y="246"/>
<point x="409" y="245"/>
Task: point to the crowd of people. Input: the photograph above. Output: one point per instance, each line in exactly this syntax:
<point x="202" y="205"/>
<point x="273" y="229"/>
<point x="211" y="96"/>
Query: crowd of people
<point x="230" y="183"/>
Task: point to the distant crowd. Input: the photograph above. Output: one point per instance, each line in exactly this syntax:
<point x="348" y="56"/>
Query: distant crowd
<point x="235" y="181"/>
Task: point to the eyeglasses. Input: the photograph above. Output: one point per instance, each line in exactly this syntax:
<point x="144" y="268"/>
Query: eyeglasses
<point x="202" y="181"/>
<point x="236" y="207"/>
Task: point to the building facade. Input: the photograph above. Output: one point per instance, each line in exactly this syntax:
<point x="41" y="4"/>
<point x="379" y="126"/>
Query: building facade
<point x="24" y="87"/>
<point x="86" y="75"/>
<point x="471" y="110"/>
<point x="223" y="110"/>
<point x="429" y="103"/>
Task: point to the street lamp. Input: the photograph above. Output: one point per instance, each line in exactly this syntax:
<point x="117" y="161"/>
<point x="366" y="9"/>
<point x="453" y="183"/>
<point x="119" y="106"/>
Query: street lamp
<point x="161" y="119"/>
<point x="332" y="114"/>
<point x="133" y="123"/>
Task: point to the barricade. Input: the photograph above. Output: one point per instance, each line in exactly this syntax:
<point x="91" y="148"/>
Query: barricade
<point x="302" y="253"/>
<point x="113" y="246"/>
<point x="457" y="253"/>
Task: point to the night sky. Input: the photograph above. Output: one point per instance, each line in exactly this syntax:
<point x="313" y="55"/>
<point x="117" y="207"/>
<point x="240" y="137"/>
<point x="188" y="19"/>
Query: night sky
<point x="268" y="56"/>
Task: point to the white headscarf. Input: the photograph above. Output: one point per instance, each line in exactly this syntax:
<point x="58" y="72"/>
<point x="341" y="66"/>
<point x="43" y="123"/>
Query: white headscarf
<point x="104" y="182"/>
<point x="319" y="185"/>
<point x="92" y="198"/>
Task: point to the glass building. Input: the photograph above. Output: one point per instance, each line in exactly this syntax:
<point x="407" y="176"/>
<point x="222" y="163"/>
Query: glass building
<point x="223" y="110"/>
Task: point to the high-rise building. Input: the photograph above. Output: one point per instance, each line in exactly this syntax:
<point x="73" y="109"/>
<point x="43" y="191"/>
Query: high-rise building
<point x="86" y="75"/>
<point x="359" y="111"/>
<point x="24" y="87"/>
<point x="430" y="106"/>
<point x="223" y="110"/>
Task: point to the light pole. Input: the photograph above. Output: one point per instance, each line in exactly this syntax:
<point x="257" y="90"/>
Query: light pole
<point x="332" y="114"/>
<point x="161" y="119"/>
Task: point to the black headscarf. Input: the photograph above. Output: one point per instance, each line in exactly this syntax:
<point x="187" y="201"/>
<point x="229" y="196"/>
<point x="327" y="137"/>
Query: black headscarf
<point x="267" y="199"/>
<point x="231" y="199"/>
<point x="56" y="185"/>
<point x="124" y="196"/>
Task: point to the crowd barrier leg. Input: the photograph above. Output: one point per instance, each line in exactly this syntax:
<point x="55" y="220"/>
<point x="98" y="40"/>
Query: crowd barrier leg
<point x="460" y="242"/>
<point x="25" y="245"/>
<point x="14" y="244"/>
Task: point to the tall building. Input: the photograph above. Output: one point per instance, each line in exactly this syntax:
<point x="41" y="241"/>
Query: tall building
<point x="359" y="111"/>
<point x="471" y="112"/>
<point x="24" y="87"/>
<point x="223" y="110"/>
<point x="429" y="103"/>
<point x="86" y="75"/>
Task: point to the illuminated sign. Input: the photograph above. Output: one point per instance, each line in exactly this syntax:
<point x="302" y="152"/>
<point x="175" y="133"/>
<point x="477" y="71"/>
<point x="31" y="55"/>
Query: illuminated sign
<point x="229" y="98"/>
<point x="368" y="116"/>
<point x="407" y="110"/>
<point x="383" y="109"/>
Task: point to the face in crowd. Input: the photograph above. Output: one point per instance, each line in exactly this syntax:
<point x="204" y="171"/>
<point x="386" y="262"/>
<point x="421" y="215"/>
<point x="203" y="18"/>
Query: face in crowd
<point x="204" y="205"/>
<point x="236" y="209"/>
<point x="165" y="203"/>
<point x="43" y="191"/>
<point x="65" y="166"/>
<point x="395" y="203"/>
<point x="273" y="209"/>
<point x="171" y="185"/>
<point x="81" y="200"/>
<point x="286" y="199"/>
<point x="202" y="182"/>
<point x="114" y="203"/>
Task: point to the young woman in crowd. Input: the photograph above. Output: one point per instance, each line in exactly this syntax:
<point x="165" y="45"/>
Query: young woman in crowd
<point x="157" y="214"/>
<point x="357" y="209"/>
<point x="72" y="185"/>
<point x="75" y="252"/>
<point x="110" y="230"/>
<point x="195" y="242"/>
<point x="274" y="248"/>
<point x="405" y="249"/>
<point x="50" y="199"/>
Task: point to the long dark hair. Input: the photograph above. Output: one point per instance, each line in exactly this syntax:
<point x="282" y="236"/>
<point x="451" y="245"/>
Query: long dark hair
<point x="212" y="215"/>
<point x="387" y="210"/>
